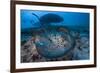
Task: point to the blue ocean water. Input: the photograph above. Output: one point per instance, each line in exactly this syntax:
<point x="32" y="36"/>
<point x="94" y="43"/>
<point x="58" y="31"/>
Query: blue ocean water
<point x="73" y="20"/>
